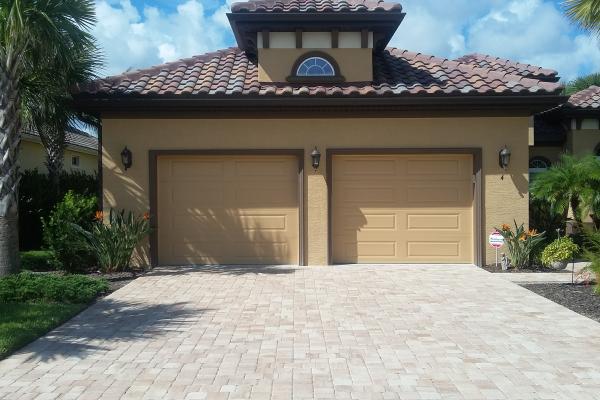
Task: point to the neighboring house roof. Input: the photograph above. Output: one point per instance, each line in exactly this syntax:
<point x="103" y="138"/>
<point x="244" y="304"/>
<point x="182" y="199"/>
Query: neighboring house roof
<point x="300" y="6"/>
<point x="511" y="67"/>
<point x="230" y="74"/>
<point x="588" y="99"/>
<point x="74" y="138"/>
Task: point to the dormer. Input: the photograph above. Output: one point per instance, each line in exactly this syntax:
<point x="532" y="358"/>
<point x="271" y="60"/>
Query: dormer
<point x="314" y="41"/>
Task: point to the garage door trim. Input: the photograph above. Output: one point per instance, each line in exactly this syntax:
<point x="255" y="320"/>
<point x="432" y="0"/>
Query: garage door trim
<point x="153" y="156"/>
<point x="476" y="152"/>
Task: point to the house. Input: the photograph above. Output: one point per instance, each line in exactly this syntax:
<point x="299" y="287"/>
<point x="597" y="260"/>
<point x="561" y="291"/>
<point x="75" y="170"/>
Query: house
<point x="81" y="152"/>
<point x="572" y="128"/>
<point x="314" y="143"/>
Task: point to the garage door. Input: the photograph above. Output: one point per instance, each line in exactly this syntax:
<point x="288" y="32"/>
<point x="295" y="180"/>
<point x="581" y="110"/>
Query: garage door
<point x="228" y="210"/>
<point x="403" y="209"/>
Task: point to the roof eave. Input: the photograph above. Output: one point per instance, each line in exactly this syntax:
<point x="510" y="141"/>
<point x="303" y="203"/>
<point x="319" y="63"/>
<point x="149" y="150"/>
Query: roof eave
<point x="490" y="104"/>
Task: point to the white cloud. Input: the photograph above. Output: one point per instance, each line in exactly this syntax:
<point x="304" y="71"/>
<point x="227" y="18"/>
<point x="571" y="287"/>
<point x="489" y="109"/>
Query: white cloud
<point x="532" y="31"/>
<point x="132" y="38"/>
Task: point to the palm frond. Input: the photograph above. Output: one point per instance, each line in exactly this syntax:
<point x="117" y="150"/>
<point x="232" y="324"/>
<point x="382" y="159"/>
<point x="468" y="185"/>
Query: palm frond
<point x="586" y="13"/>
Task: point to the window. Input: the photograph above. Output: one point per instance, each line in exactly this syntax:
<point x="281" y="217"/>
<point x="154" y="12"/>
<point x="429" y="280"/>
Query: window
<point x="315" y="66"/>
<point x="538" y="165"/>
<point x="75" y="161"/>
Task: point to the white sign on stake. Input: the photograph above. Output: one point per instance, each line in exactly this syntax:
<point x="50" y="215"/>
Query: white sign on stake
<point x="496" y="240"/>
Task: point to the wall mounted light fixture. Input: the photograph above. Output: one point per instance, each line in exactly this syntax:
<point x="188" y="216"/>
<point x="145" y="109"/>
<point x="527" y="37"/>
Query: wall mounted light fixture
<point x="126" y="158"/>
<point x="316" y="158"/>
<point x="504" y="159"/>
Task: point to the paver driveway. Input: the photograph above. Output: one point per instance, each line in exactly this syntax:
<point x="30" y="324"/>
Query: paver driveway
<point x="372" y="332"/>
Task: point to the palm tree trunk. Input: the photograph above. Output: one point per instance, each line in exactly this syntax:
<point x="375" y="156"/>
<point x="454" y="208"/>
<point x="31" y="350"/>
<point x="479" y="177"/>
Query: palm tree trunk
<point x="10" y="127"/>
<point x="54" y="143"/>
<point x="575" y="205"/>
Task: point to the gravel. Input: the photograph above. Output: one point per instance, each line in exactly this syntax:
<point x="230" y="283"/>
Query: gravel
<point x="579" y="298"/>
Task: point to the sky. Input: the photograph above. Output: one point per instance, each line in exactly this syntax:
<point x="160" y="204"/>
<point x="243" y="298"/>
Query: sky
<point x="140" y="33"/>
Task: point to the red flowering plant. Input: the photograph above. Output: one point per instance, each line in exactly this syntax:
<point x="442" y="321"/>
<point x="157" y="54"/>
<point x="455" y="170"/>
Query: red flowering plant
<point x="520" y="243"/>
<point x="113" y="240"/>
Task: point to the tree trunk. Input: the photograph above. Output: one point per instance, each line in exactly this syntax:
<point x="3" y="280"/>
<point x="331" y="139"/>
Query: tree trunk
<point x="54" y="142"/>
<point x="10" y="128"/>
<point x="575" y="204"/>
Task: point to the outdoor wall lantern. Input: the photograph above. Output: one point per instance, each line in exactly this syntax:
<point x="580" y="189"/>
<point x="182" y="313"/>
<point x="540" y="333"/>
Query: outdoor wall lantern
<point x="126" y="158"/>
<point x="504" y="159"/>
<point x="316" y="158"/>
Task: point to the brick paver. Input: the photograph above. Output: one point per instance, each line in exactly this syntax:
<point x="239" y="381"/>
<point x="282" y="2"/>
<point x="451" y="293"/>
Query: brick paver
<point x="344" y="332"/>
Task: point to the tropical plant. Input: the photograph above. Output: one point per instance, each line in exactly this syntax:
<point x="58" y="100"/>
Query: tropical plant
<point x="60" y="237"/>
<point x="43" y="45"/>
<point x="561" y="249"/>
<point x="582" y="83"/>
<point x="586" y="13"/>
<point x="592" y="254"/>
<point x="569" y="183"/>
<point x="36" y="201"/>
<point x="521" y="243"/>
<point x="114" y="241"/>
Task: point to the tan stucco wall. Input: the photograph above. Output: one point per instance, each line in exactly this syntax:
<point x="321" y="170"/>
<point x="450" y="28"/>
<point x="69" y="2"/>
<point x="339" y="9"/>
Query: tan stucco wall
<point x="583" y="142"/>
<point x="275" y="65"/>
<point x="32" y="156"/>
<point x="505" y="199"/>
<point x="552" y="153"/>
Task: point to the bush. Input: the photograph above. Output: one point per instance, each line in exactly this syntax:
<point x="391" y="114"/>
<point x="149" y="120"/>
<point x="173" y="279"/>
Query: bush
<point x="68" y="245"/>
<point x="39" y="260"/>
<point x="36" y="201"/>
<point x="31" y="287"/>
<point x="561" y="249"/>
<point x="520" y="243"/>
<point x="114" y="243"/>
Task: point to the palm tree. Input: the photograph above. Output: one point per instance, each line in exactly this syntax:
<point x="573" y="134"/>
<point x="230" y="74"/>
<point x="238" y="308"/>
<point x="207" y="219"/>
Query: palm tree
<point x="582" y="83"/>
<point x="585" y="13"/>
<point x="38" y="38"/>
<point x="569" y="183"/>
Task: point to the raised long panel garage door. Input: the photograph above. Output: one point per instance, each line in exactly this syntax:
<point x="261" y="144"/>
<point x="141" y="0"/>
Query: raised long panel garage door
<point x="228" y="210"/>
<point x="403" y="209"/>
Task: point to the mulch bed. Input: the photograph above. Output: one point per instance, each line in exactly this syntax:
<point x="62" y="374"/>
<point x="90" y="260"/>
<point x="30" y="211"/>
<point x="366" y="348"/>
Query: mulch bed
<point x="578" y="298"/>
<point x="118" y="279"/>
<point x="497" y="269"/>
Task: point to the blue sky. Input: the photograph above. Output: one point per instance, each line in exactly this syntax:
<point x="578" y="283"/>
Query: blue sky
<point x="140" y="33"/>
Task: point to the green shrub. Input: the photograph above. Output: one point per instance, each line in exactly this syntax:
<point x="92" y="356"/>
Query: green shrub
<point x="36" y="201"/>
<point x="520" y="243"/>
<point x="561" y="249"/>
<point x="32" y="287"/>
<point x="68" y="245"/>
<point x="113" y="243"/>
<point x="39" y="260"/>
<point x="592" y="254"/>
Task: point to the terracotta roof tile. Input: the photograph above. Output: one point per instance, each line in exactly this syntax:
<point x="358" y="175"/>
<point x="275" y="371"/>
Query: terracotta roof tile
<point x="229" y="73"/>
<point x="588" y="99"/>
<point x="301" y="6"/>
<point x="508" y="66"/>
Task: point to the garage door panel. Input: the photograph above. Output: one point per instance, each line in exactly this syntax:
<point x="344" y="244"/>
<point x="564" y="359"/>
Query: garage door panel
<point x="247" y="215"/>
<point x="429" y="218"/>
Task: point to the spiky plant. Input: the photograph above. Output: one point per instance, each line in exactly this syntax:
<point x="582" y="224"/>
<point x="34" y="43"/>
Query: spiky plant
<point x="585" y="13"/>
<point x="38" y="39"/>
<point x="569" y="183"/>
<point x="582" y="83"/>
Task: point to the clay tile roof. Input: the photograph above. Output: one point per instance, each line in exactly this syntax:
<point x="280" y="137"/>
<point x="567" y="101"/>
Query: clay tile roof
<point x="300" y="6"/>
<point x="508" y="66"/>
<point x="229" y="73"/>
<point x="588" y="99"/>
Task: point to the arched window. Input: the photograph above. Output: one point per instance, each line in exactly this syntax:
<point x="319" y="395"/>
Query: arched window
<point x="538" y="165"/>
<point x="315" y="66"/>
